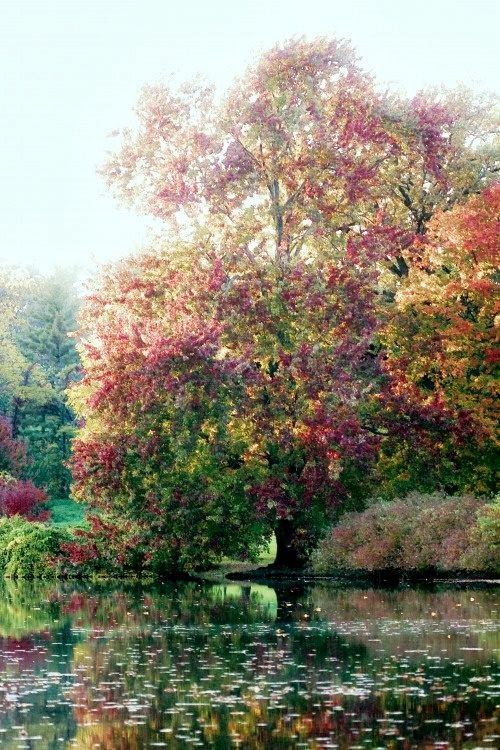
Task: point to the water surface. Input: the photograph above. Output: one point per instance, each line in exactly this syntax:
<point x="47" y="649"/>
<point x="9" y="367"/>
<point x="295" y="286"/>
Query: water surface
<point x="223" y="666"/>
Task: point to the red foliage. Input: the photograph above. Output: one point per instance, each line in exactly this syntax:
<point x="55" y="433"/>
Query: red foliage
<point x="78" y="553"/>
<point x="24" y="499"/>
<point x="107" y="544"/>
<point x="246" y="364"/>
<point x="417" y="533"/>
<point x="12" y="451"/>
<point x="441" y="343"/>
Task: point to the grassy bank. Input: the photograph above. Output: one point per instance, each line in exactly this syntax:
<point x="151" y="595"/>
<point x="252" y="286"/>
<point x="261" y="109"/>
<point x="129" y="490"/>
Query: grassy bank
<point x="66" y="513"/>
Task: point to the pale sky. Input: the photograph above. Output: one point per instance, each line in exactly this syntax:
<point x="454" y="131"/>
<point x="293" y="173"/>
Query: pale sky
<point x="71" y="71"/>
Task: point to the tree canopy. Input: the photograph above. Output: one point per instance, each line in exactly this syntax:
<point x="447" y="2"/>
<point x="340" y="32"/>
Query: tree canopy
<point x="271" y="359"/>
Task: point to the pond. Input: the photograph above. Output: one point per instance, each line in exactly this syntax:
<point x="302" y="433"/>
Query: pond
<point x="248" y="666"/>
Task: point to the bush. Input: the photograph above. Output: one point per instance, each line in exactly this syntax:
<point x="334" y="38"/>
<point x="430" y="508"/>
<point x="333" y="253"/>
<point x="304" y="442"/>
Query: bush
<point x="109" y="546"/>
<point x="20" y="497"/>
<point x="484" y="550"/>
<point x="417" y="533"/>
<point x="29" y="550"/>
<point x="114" y="546"/>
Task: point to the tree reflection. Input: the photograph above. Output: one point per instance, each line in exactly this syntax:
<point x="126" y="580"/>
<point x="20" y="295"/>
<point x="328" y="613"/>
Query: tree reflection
<point x="224" y="665"/>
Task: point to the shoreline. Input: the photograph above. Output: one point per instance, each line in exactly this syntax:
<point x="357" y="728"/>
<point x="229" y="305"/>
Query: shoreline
<point x="386" y="577"/>
<point x="268" y="574"/>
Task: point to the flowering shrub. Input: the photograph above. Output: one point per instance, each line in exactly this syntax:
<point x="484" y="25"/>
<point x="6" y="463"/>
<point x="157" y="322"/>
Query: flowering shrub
<point x="417" y="533"/>
<point x="22" y="498"/>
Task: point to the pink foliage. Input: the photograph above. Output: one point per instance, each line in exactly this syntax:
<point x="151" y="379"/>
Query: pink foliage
<point x="12" y="451"/>
<point x="417" y="533"/>
<point x="24" y="499"/>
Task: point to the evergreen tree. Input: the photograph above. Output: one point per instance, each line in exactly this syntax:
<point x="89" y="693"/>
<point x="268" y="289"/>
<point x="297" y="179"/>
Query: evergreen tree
<point x="38" y="361"/>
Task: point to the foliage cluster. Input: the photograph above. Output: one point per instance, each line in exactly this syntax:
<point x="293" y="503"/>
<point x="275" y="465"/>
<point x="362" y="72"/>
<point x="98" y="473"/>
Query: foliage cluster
<point x="21" y="497"/>
<point x="17" y="496"/>
<point x="38" y="361"/>
<point x="12" y="452"/>
<point x="417" y="533"/>
<point x="316" y="324"/>
<point x="29" y="549"/>
<point x="123" y="547"/>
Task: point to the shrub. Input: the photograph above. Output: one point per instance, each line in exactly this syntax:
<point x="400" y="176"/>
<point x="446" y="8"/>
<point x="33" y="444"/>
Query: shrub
<point x="417" y="533"/>
<point x="29" y="550"/>
<point x="109" y="546"/>
<point x="484" y="550"/>
<point x="20" y="497"/>
<point x="123" y="547"/>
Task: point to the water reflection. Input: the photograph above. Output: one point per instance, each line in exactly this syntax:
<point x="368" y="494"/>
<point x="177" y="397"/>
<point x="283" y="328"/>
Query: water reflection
<point x="225" y="666"/>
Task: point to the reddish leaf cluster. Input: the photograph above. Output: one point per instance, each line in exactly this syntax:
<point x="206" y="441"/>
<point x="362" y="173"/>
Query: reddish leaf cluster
<point x="417" y="533"/>
<point x="442" y="344"/>
<point x="12" y="451"/>
<point x="22" y="498"/>
<point x="252" y="373"/>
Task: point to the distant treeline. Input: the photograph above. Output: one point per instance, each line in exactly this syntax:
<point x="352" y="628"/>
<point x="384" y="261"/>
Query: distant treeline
<point x="38" y="360"/>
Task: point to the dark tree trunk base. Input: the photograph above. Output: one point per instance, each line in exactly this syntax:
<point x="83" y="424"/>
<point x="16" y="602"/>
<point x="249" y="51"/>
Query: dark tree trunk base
<point x="287" y="555"/>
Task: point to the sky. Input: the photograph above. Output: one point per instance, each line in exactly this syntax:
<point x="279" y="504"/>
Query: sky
<point x="71" y="72"/>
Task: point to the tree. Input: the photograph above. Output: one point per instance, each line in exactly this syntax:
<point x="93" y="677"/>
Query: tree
<point x="14" y="289"/>
<point x="442" y="351"/>
<point x="38" y="360"/>
<point x="46" y="421"/>
<point x="236" y="368"/>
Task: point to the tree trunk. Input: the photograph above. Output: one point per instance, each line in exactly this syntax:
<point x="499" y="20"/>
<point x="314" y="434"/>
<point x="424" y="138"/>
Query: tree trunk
<point x="286" y="554"/>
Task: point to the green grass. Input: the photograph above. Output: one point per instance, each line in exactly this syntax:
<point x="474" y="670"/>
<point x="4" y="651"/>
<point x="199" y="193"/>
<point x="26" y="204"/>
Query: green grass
<point x="66" y="513"/>
<point x="268" y="556"/>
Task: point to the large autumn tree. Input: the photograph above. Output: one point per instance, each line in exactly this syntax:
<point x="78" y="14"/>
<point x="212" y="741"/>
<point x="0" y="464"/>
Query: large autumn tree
<point x="231" y="370"/>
